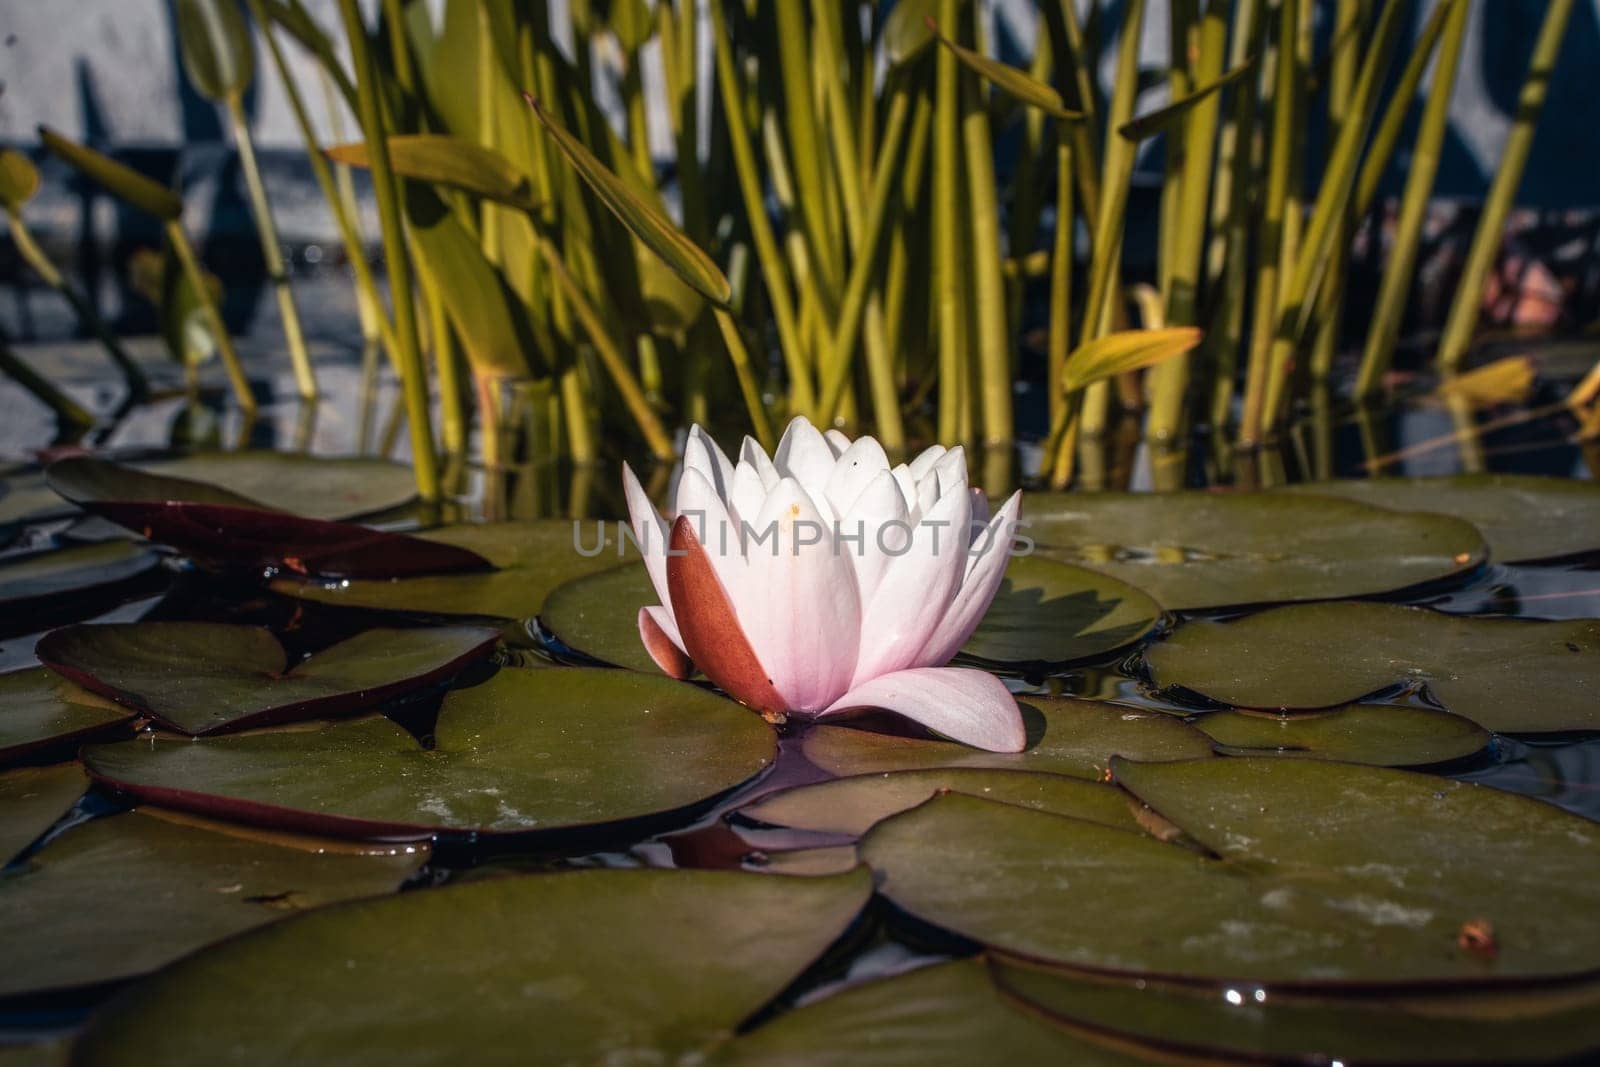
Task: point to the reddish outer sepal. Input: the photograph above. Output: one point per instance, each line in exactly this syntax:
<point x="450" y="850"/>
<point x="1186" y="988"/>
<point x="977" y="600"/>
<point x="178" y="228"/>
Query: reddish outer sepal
<point x="711" y="632"/>
<point x="668" y="656"/>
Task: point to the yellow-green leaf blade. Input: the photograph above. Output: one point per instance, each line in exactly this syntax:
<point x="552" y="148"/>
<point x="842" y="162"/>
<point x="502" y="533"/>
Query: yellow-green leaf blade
<point x="216" y="47"/>
<point x="19" y="179"/>
<point x="1126" y="350"/>
<point x="444" y="159"/>
<point x="642" y="220"/>
<point x="1164" y="118"/>
<point x="125" y="182"/>
<point x="1010" y="80"/>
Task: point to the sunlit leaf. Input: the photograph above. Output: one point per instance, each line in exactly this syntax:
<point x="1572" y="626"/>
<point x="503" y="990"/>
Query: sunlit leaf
<point x="642" y="220"/>
<point x="1164" y="118"/>
<point x="1505" y="381"/>
<point x="19" y="179"/>
<point x="216" y="47"/>
<point x="125" y="182"/>
<point x="632" y="22"/>
<point x="450" y="161"/>
<point x="1015" y="83"/>
<point x="906" y="31"/>
<point x="1126" y="350"/>
<point x="298" y="23"/>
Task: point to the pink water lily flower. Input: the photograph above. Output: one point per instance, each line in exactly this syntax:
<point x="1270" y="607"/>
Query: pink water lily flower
<point x="822" y="581"/>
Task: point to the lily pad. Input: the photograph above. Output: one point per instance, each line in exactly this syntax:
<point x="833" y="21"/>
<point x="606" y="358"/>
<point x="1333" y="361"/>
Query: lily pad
<point x="25" y="497"/>
<point x="122" y="895"/>
<point x="217" y="525"/>
<point x="1051" y="613"/>
<point x="527" y="751"/>
<point x="28" y="582"/>
<point x="598" y="615"/>
<point x="853" y="805"/>
<point x="531" y="559"/>
<point x="1066" y="736"/>
<point x="1523" y="516"/>
<point x="38" y="709"/>
<point x="311" y="486"/>
<point x="201" y="677"/>
<point x="592" y="966"/>
<point x="1546" y="1023"/>
<point x="949" y="1013"/>
<point x="1199" y="549"/>
<point x="32" y="799"/>
<point x="804" y="862"/>
<point x="1508" y="675"/>
<point x="1307" y="915"/>
<point x="1377" y="734"/>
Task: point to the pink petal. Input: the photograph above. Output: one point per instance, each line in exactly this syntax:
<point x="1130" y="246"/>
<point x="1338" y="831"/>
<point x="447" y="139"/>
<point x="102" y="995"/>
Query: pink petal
<point x="753" y="455"/>
<point x="649" y="531"/>
<point x="970" y="706"/>
<point x="714" y="528"/>
<point x="799" y="604"/>
<point x="984" y="575"/>
<point x="803" y="454"/>
<point x="701" y="453"/>
<point x="915" y="591"/>
<point x="853" y="471"/>
<point x="924" y="461"/>
<point x="660" y="636"/>
<point x="951" y="471"/>
<point x="711" y="632"/>
<point x="837" y="441"/>
<point x="878" y="517"/>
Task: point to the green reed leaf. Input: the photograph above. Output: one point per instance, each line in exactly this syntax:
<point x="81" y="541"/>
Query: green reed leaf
<point x="451" y="161"/>
<point x="1164" y="118"/>
<point x="1012" y="81"/>
<point x="642" y="220"/>
<point x="125" y="182"/>
<point x="19" y="179"/>
<point x="1126" y="350"/>
<point x="216" y="47"/>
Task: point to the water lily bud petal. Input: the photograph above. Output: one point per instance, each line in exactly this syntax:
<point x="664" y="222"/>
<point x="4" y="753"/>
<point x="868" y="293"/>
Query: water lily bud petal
<point x="853" y="471"/>
<point x="711" y="632"/>
<point x="662" y="640"/>
<point x="879" y="518"/>
<point x="985" y="572"/>
<point x="915" y="592"/>
<point x="649" y="532"/>
<point x="804" y="456"/>
<point x="970" y="706"/>
<point x="801" y="609"/>
<point x="924" y="461"/>
<point x="837" y="441"/>
<point x="703" y="454"/>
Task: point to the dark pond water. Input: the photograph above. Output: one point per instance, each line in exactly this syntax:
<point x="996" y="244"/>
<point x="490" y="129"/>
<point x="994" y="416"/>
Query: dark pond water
<point x="358" y="418"/>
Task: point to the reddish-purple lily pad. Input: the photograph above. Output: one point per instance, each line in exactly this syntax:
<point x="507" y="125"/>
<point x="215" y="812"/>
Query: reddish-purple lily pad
<point x="202" y="678"/>
<point x="218" y="525"/>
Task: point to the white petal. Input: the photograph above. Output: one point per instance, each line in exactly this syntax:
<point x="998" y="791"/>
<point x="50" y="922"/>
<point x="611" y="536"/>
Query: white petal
<point x="915" y="591"/>
<point x="703" y="454"/>
<point x="925" y="461"/>
<point x="804" y="455"/>
<point x="970" y="706"/>
<point x="951" y="471"/>
<point x="875" y="509"/>
<point x="837" y="441"/>
<point x="853" y="471"/>
<point x="908" y="487"/>
<point x="752" y="453"/>
<point x="714" y="528"/>
<point x="649" y="531"/>
<point x="747" y="493"/>
<point x="799" y="606"/>
<point x="984" y="574"/>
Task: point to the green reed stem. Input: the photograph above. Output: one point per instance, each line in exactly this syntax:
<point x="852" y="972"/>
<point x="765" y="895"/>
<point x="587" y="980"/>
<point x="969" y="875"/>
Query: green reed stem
<point x="43" y="389"/>
<point x="408" y="350"/>
<point x="28" y="248"/>
<point x="948" y="271"/>
<point x="993" y="349"/>
<point x="1426" y="150"/>
<point x="213" y="316"/>
<point x="1463" y="317"/>
<point x="1060" y="344"/>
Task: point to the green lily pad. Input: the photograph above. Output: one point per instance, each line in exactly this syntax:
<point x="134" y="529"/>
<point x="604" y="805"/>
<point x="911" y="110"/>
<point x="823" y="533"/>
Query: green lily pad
<point x="1378" y="734"/>
<point x="1545" y="1023"/>
<point x="539" y="750"/>
<point x="804" y="862"/>
<point x="1048" y="612"/>
<point x="199" y="677"/>
<point x="123" y="895"/>
<point x="532" y="558"/>
<point x="598" y="615"/>
<point x="1523" y="516"/>
<point x="1307" y="916"/>
<point x="314" y="487"/>
<point x="949" y="1013"/>
<point x="38" y="708"/>
<point x="1508" y="675"/>
<point x="52" y="1053"/>
<point x="853" y="805"/>
<point x="1200" y="549"/>
<point x="591" y="966"/>
<point x="32" y="799"/>
<point x="1065" y="736"/>
<point x="27" y="581"/>
<point x="25" y="497"/>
